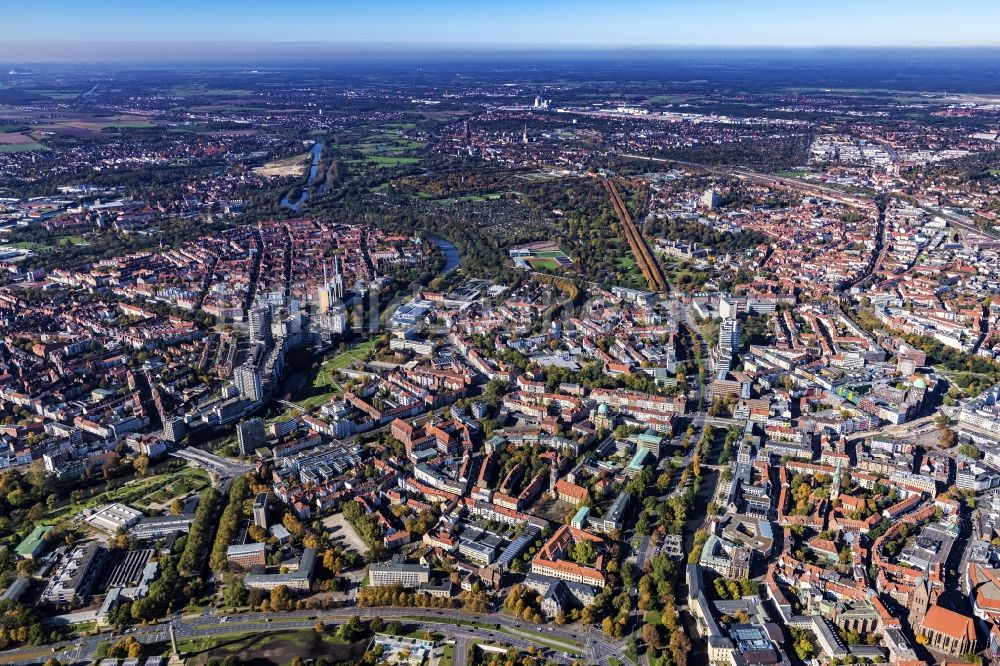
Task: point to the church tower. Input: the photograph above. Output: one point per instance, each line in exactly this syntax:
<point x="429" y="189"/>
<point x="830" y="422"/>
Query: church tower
<point x="331" y="292"/>
<point x="920" y="602"/>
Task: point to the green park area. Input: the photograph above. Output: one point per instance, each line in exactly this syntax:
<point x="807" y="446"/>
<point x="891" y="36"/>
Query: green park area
<point x="153" y="491"/>
<point x="381" y="149"/>
<point x="324" y="385"/>
<point x="241" y="647"/>
<point x="21" y="147"/>
<point x="544" y="262"/>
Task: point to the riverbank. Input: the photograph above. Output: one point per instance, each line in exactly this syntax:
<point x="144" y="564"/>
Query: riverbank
<point x="317" y="154"/>
<point x="452" y="259"/>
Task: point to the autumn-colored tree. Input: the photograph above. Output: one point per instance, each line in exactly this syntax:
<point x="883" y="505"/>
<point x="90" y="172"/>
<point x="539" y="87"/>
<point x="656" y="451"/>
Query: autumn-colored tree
<point x="650" y="635"/>
<point x="141" y="465"/>
<point x="680" y="646"/>
<point x="281" y="599"/>
<point x="292" y="524"/>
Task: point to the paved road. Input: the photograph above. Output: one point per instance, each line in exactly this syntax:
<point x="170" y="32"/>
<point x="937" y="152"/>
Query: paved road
<point x="514" y="633"/>
<point x="461" y="656"/>
<point x="642" y="553"/>
<point x="702" y="352"/>
<point x="600" y="649"/>
<point x="224" y="467"/>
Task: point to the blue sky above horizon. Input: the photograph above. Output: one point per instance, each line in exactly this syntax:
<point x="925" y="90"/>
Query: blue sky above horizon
<point x="52" y="26"/>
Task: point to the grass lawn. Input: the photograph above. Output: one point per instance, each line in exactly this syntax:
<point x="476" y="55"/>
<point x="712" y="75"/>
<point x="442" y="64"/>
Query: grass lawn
<point x="388" y="144"/>
<point x="83" y="628"/>
<point x="480" y="198"/>
<point x="406" y="144"/>
<point x="60" y="95"/>
<point x="54" y="242"/>
<point x="492" y="626"/>
<point x="544" y="262"/>
<point x="670" y="98"/>
<point x="554" y="642"/>
<point x="21" y="147"/>
<point x="195" y="645"/>
<point x="419" y="634"/>
<point x="355" y="353"/>
<point x="382" y="160"/>
<point x="181" y="481"/>
<point x="324" y="385"/>
<point x="39" y="654"/>
<point x="205" y="91"/>
<point x="536" y="176"/>
<point x="196" y="128"/>
<point x="128" y="124"/>
<point x="381" y="150"/>
<point x="447" y="656"/>
<point x="271" y="647"/>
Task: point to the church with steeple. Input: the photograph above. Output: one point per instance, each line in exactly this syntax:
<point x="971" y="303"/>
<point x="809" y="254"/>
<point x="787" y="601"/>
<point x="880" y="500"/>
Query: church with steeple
<point x="330" y="317"/>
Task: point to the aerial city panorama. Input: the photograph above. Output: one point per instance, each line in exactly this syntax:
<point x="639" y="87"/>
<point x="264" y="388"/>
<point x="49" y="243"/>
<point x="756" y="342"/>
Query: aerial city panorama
<point x="502" y="334"/>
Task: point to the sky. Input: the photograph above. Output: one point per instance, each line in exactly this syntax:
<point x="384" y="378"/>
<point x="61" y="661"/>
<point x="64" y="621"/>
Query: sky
<point x="53" y="30"/>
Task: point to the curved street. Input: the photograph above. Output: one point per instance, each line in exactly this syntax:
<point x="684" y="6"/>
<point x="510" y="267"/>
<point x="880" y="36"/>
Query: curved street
<point x="561" y="644"/>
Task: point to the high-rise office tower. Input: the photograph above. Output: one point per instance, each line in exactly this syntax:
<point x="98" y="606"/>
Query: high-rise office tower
<point x="729" y="336"/>
<point x="260" y="324"/>
<point x="250" y="435"/>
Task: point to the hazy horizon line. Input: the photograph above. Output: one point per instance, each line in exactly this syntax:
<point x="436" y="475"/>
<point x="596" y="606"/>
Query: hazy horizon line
<point x="69" y="52"/>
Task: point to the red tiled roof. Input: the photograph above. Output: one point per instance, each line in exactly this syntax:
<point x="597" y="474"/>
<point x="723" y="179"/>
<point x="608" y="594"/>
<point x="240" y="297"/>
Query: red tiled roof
<point x="955" y="625"/>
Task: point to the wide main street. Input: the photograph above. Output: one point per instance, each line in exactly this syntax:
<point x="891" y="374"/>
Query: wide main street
<point x="561" y="644"/>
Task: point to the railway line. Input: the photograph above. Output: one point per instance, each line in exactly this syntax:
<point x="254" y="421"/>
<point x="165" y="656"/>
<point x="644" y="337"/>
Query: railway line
<point x="643" y="256"/>
<point x="771" y="180"/>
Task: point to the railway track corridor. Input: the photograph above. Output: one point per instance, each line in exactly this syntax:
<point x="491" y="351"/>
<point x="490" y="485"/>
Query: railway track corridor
<point x="643" y="256"/>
